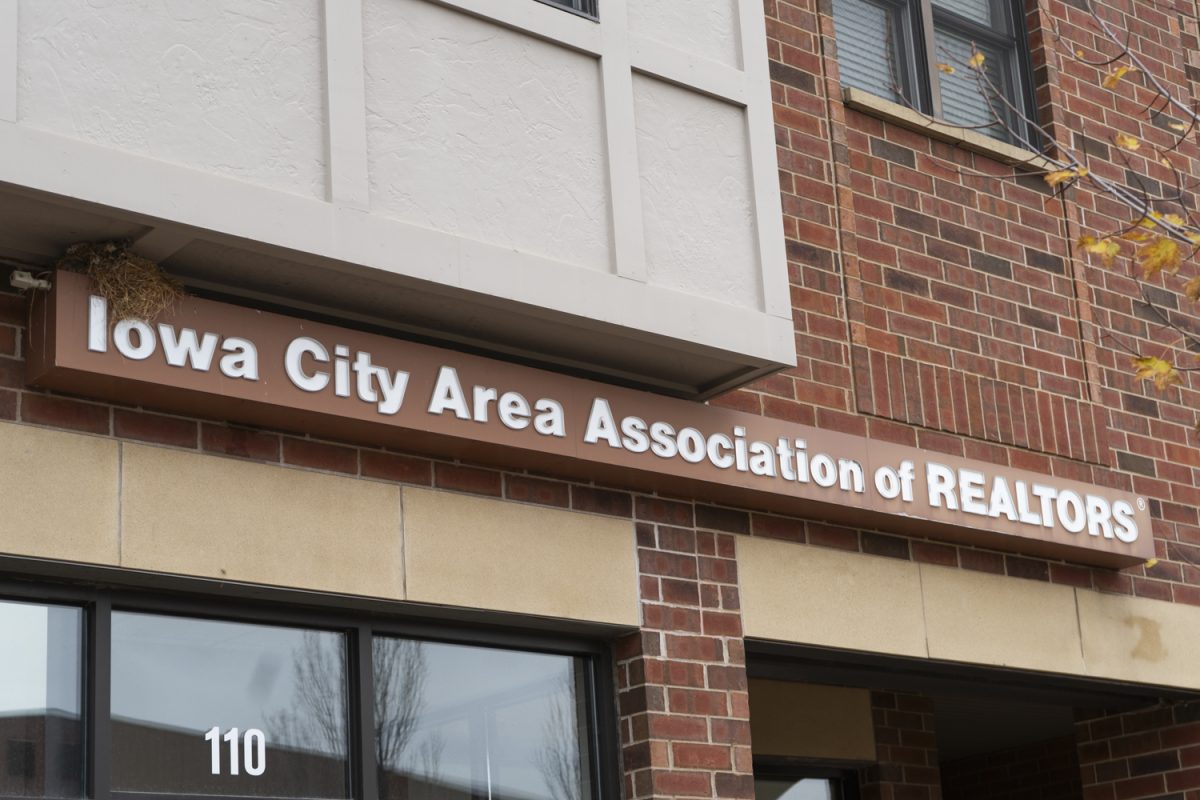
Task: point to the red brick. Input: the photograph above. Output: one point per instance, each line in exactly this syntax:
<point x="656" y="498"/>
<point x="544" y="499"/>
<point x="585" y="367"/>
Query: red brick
<point x="319" y="455"/>
<point x="62" y="412"/>
<point x="667" y="512"/>
<point x="398" y="468"/>
<point x="682" y="784"/>
<point x="467" y="479"/>
<point x="239" y="442"/>
<point x="12" y="373"/>
<point x="716" y="623"/>
<point x="12" y="309"/>
<point x="156" y="428"/>
<point x="701" y="756"/>
<point x="537" y="490"/>
<point x="8" y="340"/>
<point x="601" y="501"/>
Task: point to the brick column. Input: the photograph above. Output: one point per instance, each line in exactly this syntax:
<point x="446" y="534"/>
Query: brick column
<point x="684" y="708"/>
<point x="905" y="750"/>
<point x="1139" y="755"/>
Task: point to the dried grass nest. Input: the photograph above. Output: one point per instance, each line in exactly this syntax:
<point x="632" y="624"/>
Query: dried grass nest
<point x="135" y="287"/>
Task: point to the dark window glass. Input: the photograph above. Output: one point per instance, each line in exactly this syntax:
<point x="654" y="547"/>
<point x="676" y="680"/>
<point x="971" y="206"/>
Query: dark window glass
<point x="874" y="33"/>
<point x="585" y="7"/>
<point x="41" y="680"/>
<point x="892" y="48"/>
<point x="471" y="722"/>
<point x="225" y="708"/>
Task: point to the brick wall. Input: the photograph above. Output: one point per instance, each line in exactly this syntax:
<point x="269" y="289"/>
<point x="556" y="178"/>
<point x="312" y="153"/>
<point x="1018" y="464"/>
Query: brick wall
<point x="906" y="750"/>
<point x="683" y="698"/>
<point x="1046" y="770"/>
<point x="1142" y="754"/>
<point x="938" y="301"/>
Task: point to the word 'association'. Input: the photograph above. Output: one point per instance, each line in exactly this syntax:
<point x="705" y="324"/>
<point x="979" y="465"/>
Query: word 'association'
<point x="313" y="367"/>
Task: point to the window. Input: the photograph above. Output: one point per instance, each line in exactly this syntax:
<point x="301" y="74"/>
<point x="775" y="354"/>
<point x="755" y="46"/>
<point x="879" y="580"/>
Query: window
<point x="586" y="8"/>
<point x="917" y="36"/>
<point x="41" y="687"/>
<point x="119" y="696"/>
<point x="783" y="781"/>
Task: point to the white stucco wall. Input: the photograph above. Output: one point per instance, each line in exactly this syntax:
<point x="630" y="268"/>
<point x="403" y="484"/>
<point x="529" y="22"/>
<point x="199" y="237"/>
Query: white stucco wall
<point x="485" y="132"/>
<point x="230" y="86"/>
<point x="697" y="199"/>
<point x="616" y="174"/>
<point x="707" y="29"/>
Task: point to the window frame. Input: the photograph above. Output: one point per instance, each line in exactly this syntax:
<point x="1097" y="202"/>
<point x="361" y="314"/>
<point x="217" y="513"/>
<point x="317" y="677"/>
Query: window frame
<point x="919" y="79"/>
<point x="359" y="626"/>
<point x="790" y="769"/>
<point x="588" y="9"/>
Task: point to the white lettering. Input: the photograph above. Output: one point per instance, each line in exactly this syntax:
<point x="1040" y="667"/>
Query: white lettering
<point x="1001" y="501"/>
<point x="1099" y="516"/>
<point x="691" y="445"/>
<point x="824" y="473"/>
<point x="188" y="348"/>
<point x="97" y="324"/>
<point x="970" y="491"/>
<point x="122" y="338"/>
<point x="634" y="430"/>
<point x="294" y="367"/>
<point x="662" y="440"/>
<point x="550" y="419"/>
<point x="1126" y="529"/>
<point x="241" y="361"/>
<point x="850" y="476"/>
<point x="513" y="409"/>
<point x="719" y="446"/>
<point x="762" y="459"/>
<point x="483" y="396"/>
<point x="448" y="395"/>
<point x="1070" y="511"/>
<point x="600" y="425"/>
<point x="939" y="480"/>
<point x="887" y="483"/>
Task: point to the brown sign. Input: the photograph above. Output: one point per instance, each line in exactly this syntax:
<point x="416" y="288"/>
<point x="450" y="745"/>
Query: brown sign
<point x="223" y="361"/>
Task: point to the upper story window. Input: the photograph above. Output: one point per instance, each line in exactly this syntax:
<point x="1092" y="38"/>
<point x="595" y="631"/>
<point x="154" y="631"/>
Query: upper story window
<point x="585" y="8"/>
<point x="892" y="48"/>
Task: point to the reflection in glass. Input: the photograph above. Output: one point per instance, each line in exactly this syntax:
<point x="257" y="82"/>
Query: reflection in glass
<point x="41" y="684"/>
<point x="866" y="42"/>
<point x="470" y="722"/>
<point x="803" y="789"/>
<point x="225" y="708"/>
<point x="964" y="101"/>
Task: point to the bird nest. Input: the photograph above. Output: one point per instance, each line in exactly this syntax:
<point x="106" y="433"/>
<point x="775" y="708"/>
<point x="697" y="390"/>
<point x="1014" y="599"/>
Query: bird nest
<point x="135" y="287"/>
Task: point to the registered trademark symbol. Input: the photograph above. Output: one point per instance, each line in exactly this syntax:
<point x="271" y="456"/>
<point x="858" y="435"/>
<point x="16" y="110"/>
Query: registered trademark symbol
<point x="1141" y="504"/>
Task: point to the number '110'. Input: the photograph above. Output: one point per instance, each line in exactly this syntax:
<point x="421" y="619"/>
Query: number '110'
<point x="253" y="750"/>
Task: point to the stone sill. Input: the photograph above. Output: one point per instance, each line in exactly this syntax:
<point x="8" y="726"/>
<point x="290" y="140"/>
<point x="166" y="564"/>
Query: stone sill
<point x="965" y="138"/>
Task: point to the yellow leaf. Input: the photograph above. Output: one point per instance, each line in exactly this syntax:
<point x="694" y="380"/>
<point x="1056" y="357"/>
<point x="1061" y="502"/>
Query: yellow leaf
<point x="1062" y="175"/>
<point x="1155" y="218"/>
<point x="1162" y="372"/>
<point x="976" y="60"/>
<point x="1177" y="126"/>
<point x="1136" y="236"/>
<point x="1151" y="563"/>
<point x="1079" y="54"/>
<point x="1106" y="248"/>
<point x="946" y="68"/>
<point x="1192" y="289"/>
<point x="1159" y="255"/>
<point x="1113" y="78"/>
<point x="1126" y="142"/>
